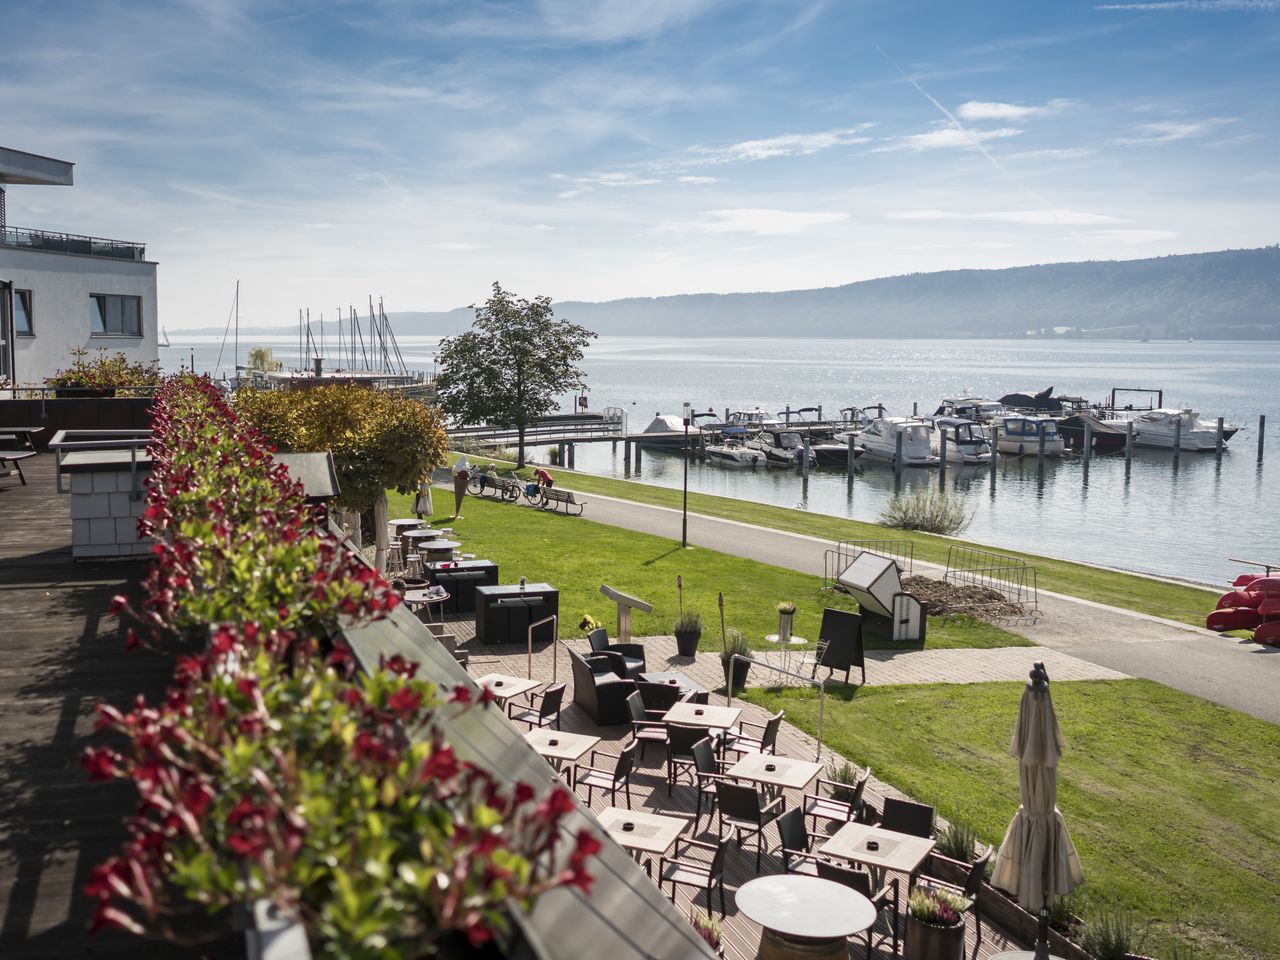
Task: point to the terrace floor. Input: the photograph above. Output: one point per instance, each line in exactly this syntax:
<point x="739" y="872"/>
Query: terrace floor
<point x="649" y="791"/>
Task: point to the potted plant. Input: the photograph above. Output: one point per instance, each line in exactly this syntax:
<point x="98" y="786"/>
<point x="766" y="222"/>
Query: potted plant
<point x="709" y="929"/>
<point x="688" y="631"/>
<point x="935" y="924"/>
<point x="786" y="617"/>
<point x="588" y="623"/>
<point x="101" y="376"/>
<point x="735" y="671"/>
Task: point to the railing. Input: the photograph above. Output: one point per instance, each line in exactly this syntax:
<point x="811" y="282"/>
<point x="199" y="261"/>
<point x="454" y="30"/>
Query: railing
<point x="820" y="684"/>
<point x="131" y="440"/>
<point x="835" y="562"/>
<point x="555" y="635"/>
<point x="1010" y="577"/>
<point x="51" y="242"/>
<point x="610" y="424"/>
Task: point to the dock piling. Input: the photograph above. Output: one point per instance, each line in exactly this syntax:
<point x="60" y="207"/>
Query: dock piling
<point x="852" y="455"/>
<point x="1262" y="430"/>
<point x="914" y="407"/>
<point x="897" y="455"/>
<point x="1088" y="441"/>
<point x="1040" y="445"/>
<point x="637" y="465"/>
<point x="571" y="446"/>
<point x="942" y="458"/>
<point x="1218" y="439"/>
<point x="808" y="452"/>
<point x="626" y="457"/>
<point x="1177" y="438"/>
<point x="1128" y="444"/>
<point x="560" y="455"/>
<point x="995" y="443"/>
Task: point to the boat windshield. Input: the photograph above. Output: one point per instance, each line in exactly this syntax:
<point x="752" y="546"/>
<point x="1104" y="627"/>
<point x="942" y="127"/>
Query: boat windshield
<point x="916" y="432"/>
<point x="789" y="441"/>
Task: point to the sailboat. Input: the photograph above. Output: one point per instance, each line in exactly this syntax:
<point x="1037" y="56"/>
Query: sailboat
<point x="164" y="338"/>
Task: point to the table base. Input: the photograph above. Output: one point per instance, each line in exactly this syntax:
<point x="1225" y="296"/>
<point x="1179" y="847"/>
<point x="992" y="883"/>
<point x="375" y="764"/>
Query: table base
<point x="777" y="946"/>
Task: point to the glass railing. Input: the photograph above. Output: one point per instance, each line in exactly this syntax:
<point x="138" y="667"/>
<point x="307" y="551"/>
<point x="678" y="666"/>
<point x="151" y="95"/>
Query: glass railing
<point x="25" y="239"/>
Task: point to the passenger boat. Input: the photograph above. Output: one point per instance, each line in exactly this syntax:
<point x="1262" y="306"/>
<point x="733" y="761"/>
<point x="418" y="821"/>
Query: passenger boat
<point x="1159" y="428"/>
<point x="880" y="441"/>
<point x="783" y="448"/>
<point x="734" y="453"/>
<point x="966" y="440"/>
<point x="1021" y="435"/>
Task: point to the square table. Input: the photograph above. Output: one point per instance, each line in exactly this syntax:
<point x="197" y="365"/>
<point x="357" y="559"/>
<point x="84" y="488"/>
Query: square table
<point x="651" y="833"/>
<point x="504" y="687"/>
<point x="567" y="748"/>
<point x="789" y="772"/>
<point x="508" y="622"/>
<point x="899" y="852"/>
<point x="702" y="715"/>
<point x="682" y="683"/>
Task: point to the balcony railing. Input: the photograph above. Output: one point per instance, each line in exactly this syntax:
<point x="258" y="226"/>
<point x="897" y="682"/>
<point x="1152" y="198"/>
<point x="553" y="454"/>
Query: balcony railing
<point x="25" y="239"/>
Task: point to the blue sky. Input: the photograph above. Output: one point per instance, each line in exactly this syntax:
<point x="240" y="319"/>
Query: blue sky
<point x="418" y="150"/>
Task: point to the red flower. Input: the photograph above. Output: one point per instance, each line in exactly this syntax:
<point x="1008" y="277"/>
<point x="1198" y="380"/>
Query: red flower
<point x="100" y="762"/>
<point x="524" y="792"/>
<point x="461" y="694"/>
<point x="405" y="702"/>
<point x="441" y="765"/>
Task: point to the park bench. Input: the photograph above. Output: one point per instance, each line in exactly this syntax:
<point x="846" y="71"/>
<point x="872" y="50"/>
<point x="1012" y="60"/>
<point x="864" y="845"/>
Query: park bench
<point x="555" y="499"/>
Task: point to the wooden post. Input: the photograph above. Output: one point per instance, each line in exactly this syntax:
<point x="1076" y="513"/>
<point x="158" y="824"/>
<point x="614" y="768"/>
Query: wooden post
<point x="1177" y="437"/>
<point x="852" y="455"/>
<point x="942" y="459"/>
<point x="1262" y="432"/>
<point x="807" y="454"/>
<point x="1218" y="439"/>
<point x="1128" y="444"/>
<point x="1088" y="441"/>
<point x="637" y="458"/>
<point x="897" y="455"/>
<point x="1040" y="440"/>
<point x="626" y="457"/>
<point x="995" y="446"/>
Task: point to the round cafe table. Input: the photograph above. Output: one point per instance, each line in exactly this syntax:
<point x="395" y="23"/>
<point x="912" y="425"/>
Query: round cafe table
<point x="405" y="523"/>
<point x="804" y="916"/>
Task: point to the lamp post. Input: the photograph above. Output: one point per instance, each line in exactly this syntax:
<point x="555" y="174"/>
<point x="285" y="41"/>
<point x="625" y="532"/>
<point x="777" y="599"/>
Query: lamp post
<point x="684" y="506"/>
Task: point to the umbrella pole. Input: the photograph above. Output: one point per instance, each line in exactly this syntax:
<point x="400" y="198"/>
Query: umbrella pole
<point x="1042" y="938"/>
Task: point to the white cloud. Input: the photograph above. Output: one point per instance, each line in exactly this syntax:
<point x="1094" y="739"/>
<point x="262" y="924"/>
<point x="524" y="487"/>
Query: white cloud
<point x="1199" y="6"/>
<point x="766" y="223"/>
<point x="618" y="180"/>
<point x="610" y="21"/>
<point x="1029" y="217"/>
<point x="1170" y="130"/>
<point x="455" y="245"/>
<point x="1133" y="236"/>
<point x="575" y="192"/>
<point x="697" y="180"/>
<point x="1052" y="153"/>
<point x="984" y="110"/>
<point x="785" y="145"/>
<point x="946" y="138"/>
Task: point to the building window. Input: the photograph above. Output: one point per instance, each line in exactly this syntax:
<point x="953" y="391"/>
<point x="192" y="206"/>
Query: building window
<point x="111" y="315"/>
<point x="22" y="314"/>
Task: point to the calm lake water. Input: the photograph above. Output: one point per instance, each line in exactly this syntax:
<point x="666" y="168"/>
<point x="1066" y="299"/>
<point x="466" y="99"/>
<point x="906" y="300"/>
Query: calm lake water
<point x="1184" y="520"/>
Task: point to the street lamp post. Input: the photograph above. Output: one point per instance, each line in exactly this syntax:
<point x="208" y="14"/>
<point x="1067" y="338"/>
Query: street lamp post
<point x="684" y="507"/>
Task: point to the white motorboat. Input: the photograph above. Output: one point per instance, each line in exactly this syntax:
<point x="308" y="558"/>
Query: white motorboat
<point x="666" y="432"/>
<point x="835" y="452"/>
<point x="971" y="408"/>
<point x="783" y="448"/>
<point x="744" y="423"/>
<point x="1021" y="435"/>
<point x="966" y="440"/>
<point x="735" y="453"/>
<point x="880" y="441"/>
<point x="1159" y="428"/>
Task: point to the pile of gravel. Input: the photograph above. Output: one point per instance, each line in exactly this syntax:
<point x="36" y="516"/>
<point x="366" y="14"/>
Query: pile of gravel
<point x="946" y="598"/>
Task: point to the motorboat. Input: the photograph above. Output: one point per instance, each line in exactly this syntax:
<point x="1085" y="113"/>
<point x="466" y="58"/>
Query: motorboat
<point x="1105" y="435"/>
<point x="735" y="453"/>
<point x="835" y="452"/>
<point x="1042" y="402"/>
<point x="879" y="441"/>
<point x="966" y="441"/>
<point x="745" y="423"/>
<point x="1021" y="435"/>
<point x="971" y="408"/>
<point x="781" y="447"/>
<point x="1159" y="428"/>
<point x="667" y="432"/>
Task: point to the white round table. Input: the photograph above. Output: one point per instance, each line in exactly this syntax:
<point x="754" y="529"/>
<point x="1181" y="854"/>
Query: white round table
<point x="798" y="910"/>
<point x="785" y="646"/>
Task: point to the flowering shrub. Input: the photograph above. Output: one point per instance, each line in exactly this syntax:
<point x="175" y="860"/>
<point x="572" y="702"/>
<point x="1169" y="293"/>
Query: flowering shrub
<point x="268" y="770"/>
<point x="937" y="906"/>
<point x="106" y="372"/>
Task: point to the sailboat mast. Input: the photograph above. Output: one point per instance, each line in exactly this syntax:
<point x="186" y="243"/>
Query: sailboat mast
<point x="237" y="363"/>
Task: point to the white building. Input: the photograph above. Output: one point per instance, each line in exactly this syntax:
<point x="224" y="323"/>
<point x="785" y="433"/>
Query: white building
<point x="59" y="291"/>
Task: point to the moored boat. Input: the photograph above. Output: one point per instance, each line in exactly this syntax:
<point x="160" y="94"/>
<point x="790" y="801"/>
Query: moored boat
<point x="1021" y="435"/>
<point x="880" y="441"/>
<point x="734" y="453"/>
<point x="966" y="440"/>
<point x="667" y="432"/>
<point x="783" y="448"/>
<point x="1162" y="427"/>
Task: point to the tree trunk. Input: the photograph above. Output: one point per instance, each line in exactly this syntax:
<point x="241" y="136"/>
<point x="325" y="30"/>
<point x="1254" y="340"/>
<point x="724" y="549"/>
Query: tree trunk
<point x="380" y="532"/>
<point x="520" y="446"/>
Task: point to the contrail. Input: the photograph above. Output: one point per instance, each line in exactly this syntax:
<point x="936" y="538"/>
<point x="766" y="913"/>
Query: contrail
<point x="978" y="144"/>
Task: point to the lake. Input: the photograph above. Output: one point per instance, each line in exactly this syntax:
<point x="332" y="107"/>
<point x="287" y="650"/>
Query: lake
<point x="1183" y="521"/>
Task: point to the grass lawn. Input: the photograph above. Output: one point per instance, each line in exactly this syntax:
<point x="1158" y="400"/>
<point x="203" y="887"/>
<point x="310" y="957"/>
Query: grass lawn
<point x="1171" y="800"/>
<point x="1186" y="604"/>
<point x="577" y="555"/>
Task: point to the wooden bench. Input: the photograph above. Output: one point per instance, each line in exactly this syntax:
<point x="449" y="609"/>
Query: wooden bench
<point x="11" y="463"/>
<point x="555" y="499"/>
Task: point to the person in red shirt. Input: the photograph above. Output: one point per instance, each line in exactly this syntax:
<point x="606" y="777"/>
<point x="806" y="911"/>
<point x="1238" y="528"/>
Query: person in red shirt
<point x="545" y="480"/>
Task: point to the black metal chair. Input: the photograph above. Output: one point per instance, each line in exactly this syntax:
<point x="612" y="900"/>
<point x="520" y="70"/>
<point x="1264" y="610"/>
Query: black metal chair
<point x="657" y="696"/>
<point x="547" y="712"/>
<point x="885" y="900"/>
<point x="739" y="741"/>
<point x="796" y="841"/>
<point x="907" y="816"/>
<point x="840" y="644"/>
<point x="680" y="741"/>
<point x="694" y="874"/>
<point x="833" y="807"/>
<point x="971" y="889"/>
<point x="707" y="770"/>
<point x="627" y="658"/>
<point x="595" y="778"/>
<point x="741" y="811"/>
<point x="645" y="729"/>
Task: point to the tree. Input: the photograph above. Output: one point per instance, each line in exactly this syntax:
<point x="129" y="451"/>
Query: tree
<point x="260" y="358"/>
<point x="509" y="368"/>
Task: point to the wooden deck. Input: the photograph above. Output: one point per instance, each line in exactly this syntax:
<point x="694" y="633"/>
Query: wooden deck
<point x="649" y="790"/>
<point x="61" y="654"/>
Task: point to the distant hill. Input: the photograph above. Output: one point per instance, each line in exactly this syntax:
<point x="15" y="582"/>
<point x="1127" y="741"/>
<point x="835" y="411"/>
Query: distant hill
<point x="1231" y="294"/>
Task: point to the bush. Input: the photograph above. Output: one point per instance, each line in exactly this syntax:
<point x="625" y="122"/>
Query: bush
<point x="1109" y="935"/>
<point x="106" y="372"/>
<point x="688" y="622"/>
<point x="928" y="511"/>
<point x="958" y="841"/>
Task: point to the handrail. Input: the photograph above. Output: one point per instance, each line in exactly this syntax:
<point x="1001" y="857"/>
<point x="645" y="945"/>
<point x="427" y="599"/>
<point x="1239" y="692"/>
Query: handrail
<point x="139" y="438"/>
<point x="820" y="684"/>
<point x="528" y="670"/>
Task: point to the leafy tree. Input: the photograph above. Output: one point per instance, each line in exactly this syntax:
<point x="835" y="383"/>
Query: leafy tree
<point x="261" y="358"/>
<point x="511" y="365"/>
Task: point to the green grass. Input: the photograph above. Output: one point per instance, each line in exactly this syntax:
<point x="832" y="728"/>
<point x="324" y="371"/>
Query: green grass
<point x="1171" y="800"/>
<point x="576" y="555"/>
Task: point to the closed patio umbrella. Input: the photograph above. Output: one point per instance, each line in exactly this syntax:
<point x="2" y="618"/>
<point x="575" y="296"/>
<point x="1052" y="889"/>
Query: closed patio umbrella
<point x="1037" y="861"/>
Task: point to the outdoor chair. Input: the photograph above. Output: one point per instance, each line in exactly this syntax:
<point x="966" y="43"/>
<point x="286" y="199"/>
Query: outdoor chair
<point x="547" y="712"/>
<point x="840" y="644"/>
<point x="645" y="729"/>
<point x="971" y="889"/>
<point x="795" y="841"/>
<point x="740" y="741"/>
<point x="740" y="809"/>
<point x="833" y="806"/>
<point x="680" y="740"/>
<point x="907" y="816"/>
<point x="885" y="900"/>
<point x="600" y="693"/>
<point x="707" y="771"/>
<point x="627" y="658"/>
<point x="594" y="778"/>
<point x="692" y="873"/>
<point x="657" y="696"/>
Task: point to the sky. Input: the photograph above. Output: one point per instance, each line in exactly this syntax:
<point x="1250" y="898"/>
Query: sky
<point x="418" y="151"/>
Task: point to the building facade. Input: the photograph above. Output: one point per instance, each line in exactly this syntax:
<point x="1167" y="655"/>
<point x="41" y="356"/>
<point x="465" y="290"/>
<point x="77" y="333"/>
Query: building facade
<point x="60" y="291"/>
